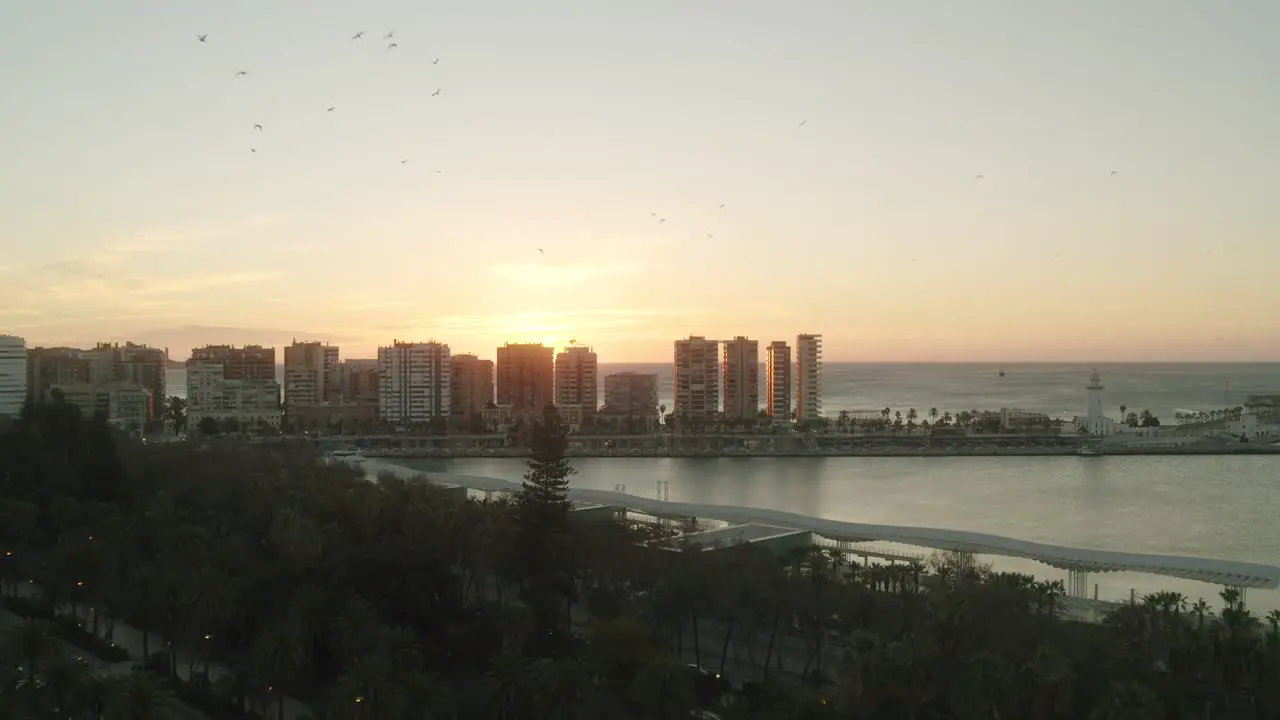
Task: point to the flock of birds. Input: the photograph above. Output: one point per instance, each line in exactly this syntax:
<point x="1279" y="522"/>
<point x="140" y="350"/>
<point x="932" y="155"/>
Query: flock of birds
<point x="257" y="127"/>
<point x="389" y="38"/>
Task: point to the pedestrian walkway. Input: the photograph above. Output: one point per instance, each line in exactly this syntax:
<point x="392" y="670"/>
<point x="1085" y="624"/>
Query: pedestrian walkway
<point x="130" y="639"/>
<point x="10" y="621"/>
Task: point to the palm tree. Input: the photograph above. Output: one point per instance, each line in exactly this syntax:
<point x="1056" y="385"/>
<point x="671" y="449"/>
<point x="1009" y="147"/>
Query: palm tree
<point x="139" y="696"/>
<point x="278" y="661"/>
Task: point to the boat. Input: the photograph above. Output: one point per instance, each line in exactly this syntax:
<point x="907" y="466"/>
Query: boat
<point x="351" y="456"/>
<point x="1001" y="372"/>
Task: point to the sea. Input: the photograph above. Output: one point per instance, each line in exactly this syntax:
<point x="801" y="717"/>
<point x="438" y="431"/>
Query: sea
<point x="1225" y="507"/>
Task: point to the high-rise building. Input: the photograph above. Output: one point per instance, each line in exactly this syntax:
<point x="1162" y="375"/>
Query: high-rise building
<point x="358" y="381"/>
<point x="777" y="391"/>
<point x="90" y="378"/>
<point x="144" y="367"/>
<point x="13" y="375"/>
<point x="414" y="382"/>
<point x="310" y="374"/>
<point x="525" y="379"/>
<point x="251" y="362"/>
<point x="741" y="378"/>
<point x="472" y="385"/>
<point x="577" y="383"/>
<point x="233" y="385"/>
<point x="631" y="394"/>
<point x="808" y="372"/>
<point x="697" y="381"/>
<point x="47" y="367"/>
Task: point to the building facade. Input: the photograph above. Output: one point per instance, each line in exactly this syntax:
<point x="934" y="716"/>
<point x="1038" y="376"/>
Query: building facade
<point x="13" y="375"/>
<point x="233" y="387"/>
<point x="472" y="385"/>
<point x="777" y="392"/>
<point x="630" y="401"/>
<point x="577" y="384"/>
<point x="808" y="372"/>
<point x="414" y="383"/>
<point x="525" y="380"/>
<point x="696" y="377"/>
<point x="251" y="362"/>
<point x="740" y="374"/>
<point x="311" y="374"/>
<point x="358" y="381"/>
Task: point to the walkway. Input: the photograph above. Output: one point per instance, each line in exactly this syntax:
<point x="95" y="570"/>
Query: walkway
<point x="1218" y="572"/>
<point x="129" y="639"/>
<point x="182" y="711"/>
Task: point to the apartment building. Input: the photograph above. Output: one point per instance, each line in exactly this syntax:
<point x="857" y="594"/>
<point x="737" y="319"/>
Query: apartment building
<point x="778" y="381"/>
<point x="577" y="384"/>
<point x="697" y="381"/>
<point x="630" y="400"/>
<point x="311" y="374"/>
<point x="741" y="378"/>
<point x="525" y="380"/>
<point x="47" y="367"/>
<point x="415" y="382"/>
<point x="88" y="379"/>
<point x="472" y="385"/>
<point x="358" y="381"/>
<point x="13" y="375"/>
<point x="251" y="362"/>
<point x="808" y="372"/>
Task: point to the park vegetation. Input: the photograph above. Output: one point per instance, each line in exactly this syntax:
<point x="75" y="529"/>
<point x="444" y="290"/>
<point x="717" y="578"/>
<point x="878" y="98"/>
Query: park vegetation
<point x="258" y="573"/>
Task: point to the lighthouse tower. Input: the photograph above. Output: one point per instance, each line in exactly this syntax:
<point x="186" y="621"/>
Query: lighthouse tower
<point x="1094" y="419"/>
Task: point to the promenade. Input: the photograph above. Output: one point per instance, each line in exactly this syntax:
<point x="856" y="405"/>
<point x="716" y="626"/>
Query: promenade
<point x="130" y="639"/>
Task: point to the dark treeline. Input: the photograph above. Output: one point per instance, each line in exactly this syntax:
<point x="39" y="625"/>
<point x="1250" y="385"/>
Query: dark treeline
<point x="397" y="600"/>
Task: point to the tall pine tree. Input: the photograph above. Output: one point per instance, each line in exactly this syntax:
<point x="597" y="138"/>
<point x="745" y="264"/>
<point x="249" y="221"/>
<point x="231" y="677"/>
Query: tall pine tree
<point x="544" y="538"/>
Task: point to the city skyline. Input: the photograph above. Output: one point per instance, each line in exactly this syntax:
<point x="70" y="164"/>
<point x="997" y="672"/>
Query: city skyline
<point x="827" y="163"/>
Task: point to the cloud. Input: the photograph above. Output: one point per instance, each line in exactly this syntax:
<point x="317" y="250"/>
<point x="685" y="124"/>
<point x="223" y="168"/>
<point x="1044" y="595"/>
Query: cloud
<point x="533" y="322"/>
<point x="198" y="282"/>
<point x="561" y="276"/>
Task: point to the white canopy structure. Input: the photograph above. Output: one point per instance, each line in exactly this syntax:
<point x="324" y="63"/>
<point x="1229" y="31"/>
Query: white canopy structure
<point x="1076" y="560"/>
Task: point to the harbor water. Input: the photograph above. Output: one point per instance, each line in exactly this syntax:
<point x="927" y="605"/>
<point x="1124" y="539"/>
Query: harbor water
<point x="1208" y="506"/>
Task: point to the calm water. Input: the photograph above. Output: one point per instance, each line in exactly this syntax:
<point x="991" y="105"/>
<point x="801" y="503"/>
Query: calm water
<point x="1222" y="507"/>
<point x="1051" y="388"/>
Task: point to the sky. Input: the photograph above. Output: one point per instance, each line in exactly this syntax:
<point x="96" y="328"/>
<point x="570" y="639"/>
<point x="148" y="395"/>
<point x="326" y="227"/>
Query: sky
<point x="522" y="203"/>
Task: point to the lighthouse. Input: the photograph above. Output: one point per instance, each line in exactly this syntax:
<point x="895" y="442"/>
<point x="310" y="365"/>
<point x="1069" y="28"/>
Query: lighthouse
<point x="1095" y="421"/>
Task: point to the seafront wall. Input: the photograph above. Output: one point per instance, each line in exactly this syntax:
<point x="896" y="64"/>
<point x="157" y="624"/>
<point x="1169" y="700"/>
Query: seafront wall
<point x="854" y="452"/>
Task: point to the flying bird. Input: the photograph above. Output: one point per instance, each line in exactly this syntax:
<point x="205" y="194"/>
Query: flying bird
<point x="802" y="124"/>
<point x="389" y="35"/>
<point x="392" y="45"/>
<point x="257" y="127"/>
<point x="403" y="162"/>
<point x="979" y="177"/>
<point x="435" y="61"/>
<point x="540" y="252"/>
<point x="437" y="92"/>
<point x="329" y="109"/>
<point x="242" y="72"/>
<point x="437" y="172"/>
<point x="358" y="35"/>
<point x="203" y="38"/>
<point x="721" y="206"/>
<point x="253" y="150"/>
<point x="708" y="235"/>
<point x="661" y="220"/>
<point x="1115" y="173"/>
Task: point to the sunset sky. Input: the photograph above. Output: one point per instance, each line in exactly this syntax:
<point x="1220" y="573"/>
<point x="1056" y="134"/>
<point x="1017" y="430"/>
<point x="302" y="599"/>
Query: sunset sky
<point x="132" y="207"/>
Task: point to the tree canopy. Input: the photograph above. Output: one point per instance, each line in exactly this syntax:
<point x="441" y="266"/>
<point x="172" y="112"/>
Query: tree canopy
<point x="404" y="600"/>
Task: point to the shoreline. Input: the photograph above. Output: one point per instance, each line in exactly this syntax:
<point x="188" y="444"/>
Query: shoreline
<point x="876" y="453"/>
